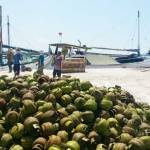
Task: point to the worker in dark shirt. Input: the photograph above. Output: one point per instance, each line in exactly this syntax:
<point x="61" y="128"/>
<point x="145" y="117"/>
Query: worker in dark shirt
<point x="57" y="65"/>
<point x="16" y="61"/>
<point x="41" y="63"/>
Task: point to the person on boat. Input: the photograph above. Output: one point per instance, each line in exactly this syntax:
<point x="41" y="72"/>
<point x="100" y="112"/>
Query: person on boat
<point x="41" y="63"/>
<point x="10" y="56"/>
<point x="16" y="61"/>
<point x="57" y="65"/>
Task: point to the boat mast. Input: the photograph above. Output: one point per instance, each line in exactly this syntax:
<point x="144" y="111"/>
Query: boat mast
<point x="138" y="33"/>
<point x="0" y="35"/>
<point x="8" y="31"/>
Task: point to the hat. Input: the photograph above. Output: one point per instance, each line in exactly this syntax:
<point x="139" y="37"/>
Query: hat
<point x="17" y="49"/>
<point x="41" y="52"/>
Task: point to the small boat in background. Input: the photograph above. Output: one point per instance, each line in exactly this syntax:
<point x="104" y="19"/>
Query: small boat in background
<point x="130" y="59"/>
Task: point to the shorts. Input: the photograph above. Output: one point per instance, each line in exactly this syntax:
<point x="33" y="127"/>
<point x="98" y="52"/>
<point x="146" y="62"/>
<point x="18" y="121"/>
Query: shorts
<point x="56" y="72"/>
<point x="17" y="69"/>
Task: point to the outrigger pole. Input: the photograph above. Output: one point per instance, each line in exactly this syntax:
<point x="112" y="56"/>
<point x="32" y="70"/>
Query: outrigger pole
<point x="1" y="43"/>
<point x="8" y="31"/>
<point x="139" y="33"/>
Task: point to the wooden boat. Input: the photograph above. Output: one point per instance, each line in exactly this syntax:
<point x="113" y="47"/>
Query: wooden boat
<point x="133" y="57"/>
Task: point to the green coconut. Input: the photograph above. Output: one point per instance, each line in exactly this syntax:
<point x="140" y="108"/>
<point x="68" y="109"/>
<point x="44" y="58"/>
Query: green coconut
<point x="51" y="98"/>
<point x="70" y="108"/>
<point x="146" y="141"/>
<point x="114" y="132"/>
<point x="17" y="131"/>
<point x="49" y="115"/>
<point x="26" y="142"/>
<point x="125" y="138"/>
<point x="29" y="107"/>
<point x="33" y="83"/>
<point x="16" y="147"/>
<point x="6" y="140"/>
<point x="11" y="118"/>
<point x="45" y="86"/>
<point x="66" y="89"/>
<point x="62" y="112"/>
<point x="112" y="122"/>
<point x="88" y="117"/>
<point x="14" y="103"/>
<point x="2" y="103"/>
<point x="63" y="135"/>
<point x="83" y="128"/>
<point x="73" y="145"/>
<point x="101" y="147"/>
<point x="30" y="79"/>
<point x="2" y="85"/>
<point x="75" y="85"/>
<point x="55" y="147"/>
<point x="61" y="83"/>
<point x="29" y="95"/>
<point x="106" y="104"/>
<point x="96" y="93"/>
<point x="90" y="105"/>
<point x="45" y="107"/>
<point x="111" y="96"/>
<point x="81" y="139"/>
<point x="75" y="94"/>
<point x="117" y="146"/>
<point x="85" y="85"/>
<point x="2" y="130"/>
<point x="48" y="128"/>
<point x="29" y="124"/>
<point x="65" y="100"/>
<point x="53" y="85"/>
<point x="41" y="94"/>
<point x="136" y="143"/>
<point x="54" y="140"/>
<point x="102" y="127"/>
<point x="40" y="103"/>
<point x="147" y="114"/>
<point x="57" y="92"/>
<point x="79" y="102"/>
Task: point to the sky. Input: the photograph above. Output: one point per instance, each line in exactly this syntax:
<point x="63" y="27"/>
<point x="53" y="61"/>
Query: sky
<point x="105" y="23"/>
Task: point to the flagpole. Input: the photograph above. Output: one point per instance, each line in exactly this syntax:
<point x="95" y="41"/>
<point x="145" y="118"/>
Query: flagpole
<point x="60" y="35"/>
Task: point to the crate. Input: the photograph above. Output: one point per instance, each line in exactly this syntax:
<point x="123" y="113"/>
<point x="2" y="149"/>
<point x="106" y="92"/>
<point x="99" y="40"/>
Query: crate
<point x="72" y="65"/>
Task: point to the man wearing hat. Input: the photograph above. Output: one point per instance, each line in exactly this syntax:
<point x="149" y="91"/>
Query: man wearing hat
<point x="10" y="56"/>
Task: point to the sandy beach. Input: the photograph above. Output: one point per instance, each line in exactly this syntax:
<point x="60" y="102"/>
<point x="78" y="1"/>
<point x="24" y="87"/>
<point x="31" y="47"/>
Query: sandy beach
<point x="134" y="80"/>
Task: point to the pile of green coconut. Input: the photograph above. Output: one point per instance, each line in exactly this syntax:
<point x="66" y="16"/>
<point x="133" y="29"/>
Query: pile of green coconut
<point x="41" y="113"/>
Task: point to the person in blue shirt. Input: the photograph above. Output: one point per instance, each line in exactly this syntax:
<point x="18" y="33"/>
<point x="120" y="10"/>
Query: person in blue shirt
<point x="16" y="61"/>
<point x="41" y="63"/>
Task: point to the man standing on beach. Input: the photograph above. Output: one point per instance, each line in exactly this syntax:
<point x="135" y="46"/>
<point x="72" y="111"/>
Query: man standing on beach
<point x="57" y="65"/>
<point x="10" y="56"/>
<point x="16" y="61"/>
